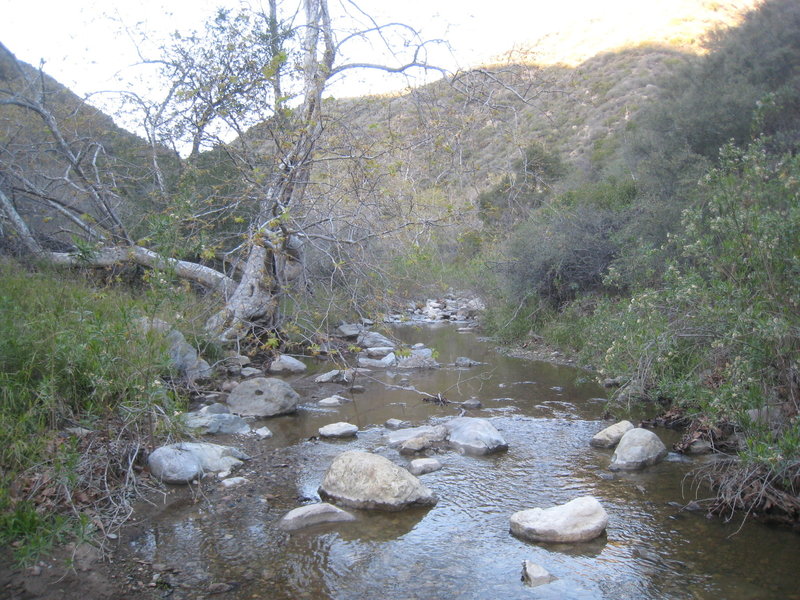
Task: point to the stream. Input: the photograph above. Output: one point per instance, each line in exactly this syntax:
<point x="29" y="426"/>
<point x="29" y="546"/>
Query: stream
<point x="461" y="548"/>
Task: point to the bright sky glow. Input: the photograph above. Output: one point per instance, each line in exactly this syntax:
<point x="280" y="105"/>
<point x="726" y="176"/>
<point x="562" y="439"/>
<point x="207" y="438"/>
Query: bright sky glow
<point x="84" y="45"/>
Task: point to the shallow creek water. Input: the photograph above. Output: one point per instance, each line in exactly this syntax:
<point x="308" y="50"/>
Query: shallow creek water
<point x="461" y="548"/>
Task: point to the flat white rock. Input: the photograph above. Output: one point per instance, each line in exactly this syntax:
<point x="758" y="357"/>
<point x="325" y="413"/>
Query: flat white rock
<point x="338" y="430"/>
<point x="579" y="520"/>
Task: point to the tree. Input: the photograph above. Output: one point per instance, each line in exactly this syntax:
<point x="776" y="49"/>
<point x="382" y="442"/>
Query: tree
<point x="213" y="88"/>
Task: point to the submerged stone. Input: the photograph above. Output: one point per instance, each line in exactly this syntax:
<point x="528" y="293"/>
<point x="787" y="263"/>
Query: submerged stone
<point x="313" y="514"/>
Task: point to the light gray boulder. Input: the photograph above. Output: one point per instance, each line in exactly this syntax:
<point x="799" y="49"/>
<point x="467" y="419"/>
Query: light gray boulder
<point x="313" y="514"/>
<point x="334" y="400"/>
<point x="395" y="424"/>
<point x="638" y="448"/>
<point x="263" y="397"/>
<point x="349" y="330"/>
<point x="186" y="461"/>
<point x="364" y="480"/>
<point x="378" y="363"/>
<point x="535" y="575"/>
<point x="182" y="354"/>
<point x="421" y="466"/>
<point x="263" y="433"/>
<point x="373" y="339"/>
<point x="474" y="436"/>
<point x="336" y="376"/>
<point x="579" y="520"/>
<point x="416" y="439"/>
<point x="611" y="435"/>
<point x="338" y="430"/>
<point x="420" y="358"/>
<point x="212" y="423"/>
<point x="287" y="364"/>
<point x="378" y="352"/>
<point x="251" y="372"/>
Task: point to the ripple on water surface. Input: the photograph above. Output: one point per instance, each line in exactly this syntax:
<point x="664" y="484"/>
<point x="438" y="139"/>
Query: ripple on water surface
<point x="461" y="548"/>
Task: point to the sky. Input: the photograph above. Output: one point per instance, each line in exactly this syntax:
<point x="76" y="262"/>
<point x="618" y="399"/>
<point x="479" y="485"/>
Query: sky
<point x="87" y="44"/>
<point x="83" y="44"/>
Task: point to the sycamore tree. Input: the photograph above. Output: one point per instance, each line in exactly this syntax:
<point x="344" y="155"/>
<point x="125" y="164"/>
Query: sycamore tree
<point x="251" y="90"/>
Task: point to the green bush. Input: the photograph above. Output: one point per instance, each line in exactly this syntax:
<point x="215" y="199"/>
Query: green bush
<point x="560" y="253"/>
<point x="722" y="335"/>
<point x="71" y="355"/>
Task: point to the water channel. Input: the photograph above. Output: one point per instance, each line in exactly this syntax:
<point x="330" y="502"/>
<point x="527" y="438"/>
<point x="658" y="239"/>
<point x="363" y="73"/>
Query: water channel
<point x="461" y="548"/>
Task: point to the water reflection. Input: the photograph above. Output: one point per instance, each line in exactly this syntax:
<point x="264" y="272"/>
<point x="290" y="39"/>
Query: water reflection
<point x="462" y="548"/>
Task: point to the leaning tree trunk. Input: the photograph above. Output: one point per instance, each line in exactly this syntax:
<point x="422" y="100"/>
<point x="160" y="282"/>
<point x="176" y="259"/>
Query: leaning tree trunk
<point x="254" y="303"/>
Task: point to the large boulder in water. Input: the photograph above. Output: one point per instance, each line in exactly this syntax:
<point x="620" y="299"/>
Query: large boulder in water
<point x="474" y="436"/>
<point x="611" y="435"/>
<point x="579" y="520"/>
<point x="364" y="480"/>
<point x="263" y="397"/>
<point x="638" y="448"/>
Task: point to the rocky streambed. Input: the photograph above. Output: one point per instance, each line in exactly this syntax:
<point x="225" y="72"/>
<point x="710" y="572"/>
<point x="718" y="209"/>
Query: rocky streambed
<point x="479" y="524"/>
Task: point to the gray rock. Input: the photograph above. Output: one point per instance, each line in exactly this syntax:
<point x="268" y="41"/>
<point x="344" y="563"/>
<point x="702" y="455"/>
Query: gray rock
<point x="263" y="433"/>
<point x="217" y="408"/>
<point x="232" y="482"/>
<point x="186" y="461"/>
<point x="637" y="449"/>
<point x="364" y="480"/>
<point x="238" y="360"/>
<point x="336" y="376"/>
<point x="182" y="354"/>
<point x="174" y="465"/>
<point x="395" y="424"/>
<point x="334" y="400"/>
<point x="421" y="466"/>
<point x="338" y="430"/>
<point x="372" y="339"/>
<point x="251" y="372"/>
<point x="420" y="358"/>
<point x="313" y="514"/>
<point x="378" y="363"/>
<point x="471" y="404"/>
<point x="349" y="330"/>
<point x="212" y="423"/>
<point x="263" y="397"/>
<point x="464" y="362"/>
<point x="611" y="435"/>
<point x="287" y="364"/>
<point x="474" y="436"/>
<point x="416" y="439"/>
<point x="579" y="520"/>
<point x="378" y="352"/>
<point x="535" y="575"/>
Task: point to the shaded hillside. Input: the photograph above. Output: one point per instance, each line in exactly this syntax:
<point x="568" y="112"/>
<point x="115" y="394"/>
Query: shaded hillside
<point x="31" y="173"/>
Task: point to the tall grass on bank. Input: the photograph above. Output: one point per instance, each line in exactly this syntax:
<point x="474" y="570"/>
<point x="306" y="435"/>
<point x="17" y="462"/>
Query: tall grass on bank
<point x="70" y="356"/>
